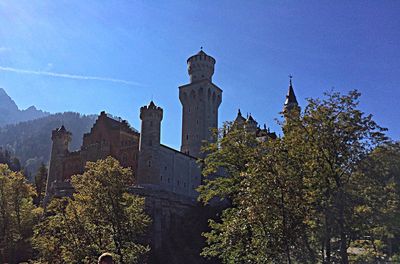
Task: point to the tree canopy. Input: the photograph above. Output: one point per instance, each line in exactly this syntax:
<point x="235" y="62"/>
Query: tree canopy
<point x="309" y="196"/>
<point x="17" y="216"/>
<point x="102" y="216"/>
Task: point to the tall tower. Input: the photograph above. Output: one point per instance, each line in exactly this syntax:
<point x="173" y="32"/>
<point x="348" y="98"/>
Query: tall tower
<point x="149" y="145"/>
<point x="61" y="138"/>
<point x="200" y="101"/>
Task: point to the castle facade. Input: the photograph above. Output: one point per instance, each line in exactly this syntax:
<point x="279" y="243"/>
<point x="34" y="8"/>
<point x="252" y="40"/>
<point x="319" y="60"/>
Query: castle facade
<point x="155" y="166"/>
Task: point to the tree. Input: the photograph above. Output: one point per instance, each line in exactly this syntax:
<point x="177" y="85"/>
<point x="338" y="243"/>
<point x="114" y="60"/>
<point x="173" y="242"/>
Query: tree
<point x="40" y="183"/>
<point x="264" y="222"/>
<point x="12" y="162"/>
<point x="102" y="216"/>
<point x="334" y="137"/>
<point x="377" y="212"/>
<point x="17" y="216"/>
<point x="293" y="199"/>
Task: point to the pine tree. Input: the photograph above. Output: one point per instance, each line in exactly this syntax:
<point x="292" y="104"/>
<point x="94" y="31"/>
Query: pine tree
<point x="40" y="184"/>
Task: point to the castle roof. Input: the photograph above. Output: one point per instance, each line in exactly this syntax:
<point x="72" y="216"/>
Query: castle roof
<point x="251" y="119"/>
<point x="152" y="105"/>
<point x="201" y="52"/>
<point x="115" y="123"/>
<point x="239" y="118"/>
<point x="291" y="97"/>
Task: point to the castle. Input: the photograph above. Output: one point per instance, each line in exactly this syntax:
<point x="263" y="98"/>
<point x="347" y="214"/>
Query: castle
<point x="155" y="166"/>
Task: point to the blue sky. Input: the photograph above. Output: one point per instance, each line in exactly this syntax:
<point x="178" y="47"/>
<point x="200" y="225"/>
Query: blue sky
<point x="89" y="56"/>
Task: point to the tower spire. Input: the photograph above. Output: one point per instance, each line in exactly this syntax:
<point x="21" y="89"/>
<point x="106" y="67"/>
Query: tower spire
<point x="291" y="100"/>
<point x="291" y="97"/>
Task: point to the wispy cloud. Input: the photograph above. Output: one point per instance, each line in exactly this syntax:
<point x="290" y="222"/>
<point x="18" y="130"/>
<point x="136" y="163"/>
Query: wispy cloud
<point x="4" y="49"/>
<point x="68" y="76"/>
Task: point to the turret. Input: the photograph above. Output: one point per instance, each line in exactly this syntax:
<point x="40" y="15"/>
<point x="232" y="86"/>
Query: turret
<point x="200" y="67"/>
<point x="61" y="139"/>
<point x="239" y="120"/>
<point x="251" y="125"/>
<point x="149" y="145"/>
<point x="200" y="102"/>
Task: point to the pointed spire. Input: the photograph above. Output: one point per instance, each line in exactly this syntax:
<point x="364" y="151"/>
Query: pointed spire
<point x="250" y="118"/>
<point x="290" y="97"/>
<point x="152" y="105"/>
<point x="239" y="118"/>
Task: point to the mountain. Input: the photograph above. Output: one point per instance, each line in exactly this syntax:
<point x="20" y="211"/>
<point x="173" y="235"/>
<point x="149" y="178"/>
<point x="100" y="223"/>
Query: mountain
<point x="10" y="114"/>
<point x="30" y="141"/>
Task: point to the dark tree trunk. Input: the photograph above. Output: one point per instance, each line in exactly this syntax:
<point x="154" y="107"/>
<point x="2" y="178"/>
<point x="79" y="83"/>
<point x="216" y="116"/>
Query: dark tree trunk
<point x="327" y="238"/>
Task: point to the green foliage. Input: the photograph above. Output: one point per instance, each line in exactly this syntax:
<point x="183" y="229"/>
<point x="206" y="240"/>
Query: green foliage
<point x="102" y="216"/>
<point x="304" y="197"/>
<point x="40" y="184"/>
<point x="17" y="216"/>
<point x="12" y="162"/>
<point x="265" y="221"/>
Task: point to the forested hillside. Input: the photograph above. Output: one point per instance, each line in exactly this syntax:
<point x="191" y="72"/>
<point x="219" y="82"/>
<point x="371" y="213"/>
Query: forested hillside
<point x="30" y="141"/>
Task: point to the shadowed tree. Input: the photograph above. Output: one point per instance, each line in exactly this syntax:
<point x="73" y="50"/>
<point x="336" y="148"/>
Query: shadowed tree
<point x="40" y="184"/>
<point x="17" y="216"/>
<point x="292" y="199"/>
<point x="102" y="216"/>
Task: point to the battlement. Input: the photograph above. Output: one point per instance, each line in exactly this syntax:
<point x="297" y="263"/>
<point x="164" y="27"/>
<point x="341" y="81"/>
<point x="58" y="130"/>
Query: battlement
<point x="151" y="111"/>
<point x="60" y="132"/>
<point x="200" y="67"/>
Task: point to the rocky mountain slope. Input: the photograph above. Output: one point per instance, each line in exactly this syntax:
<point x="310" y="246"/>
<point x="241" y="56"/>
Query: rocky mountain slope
<point x="11" y="114"/>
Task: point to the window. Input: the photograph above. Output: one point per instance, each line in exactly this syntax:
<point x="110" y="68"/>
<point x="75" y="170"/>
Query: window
<point x="150" y="143"/>
<point x="149" y="163"/>
<point x="178" y="182"/>
<point x="151" y="123"/>
<point x="161" y="178"/>
<point x="168" y="180"/>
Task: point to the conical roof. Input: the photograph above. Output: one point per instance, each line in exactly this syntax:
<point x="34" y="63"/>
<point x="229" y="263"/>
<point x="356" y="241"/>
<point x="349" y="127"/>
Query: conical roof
<point x="152" y="104"/>
<point x="291" y="97"/>
<point x="239" y="117"/>
<point x="201" y="52"/>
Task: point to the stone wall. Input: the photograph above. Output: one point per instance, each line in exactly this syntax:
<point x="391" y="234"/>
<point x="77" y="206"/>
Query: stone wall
<point x="177" y="224"/>
<point x="179" y="173"/>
